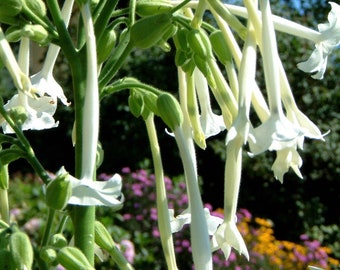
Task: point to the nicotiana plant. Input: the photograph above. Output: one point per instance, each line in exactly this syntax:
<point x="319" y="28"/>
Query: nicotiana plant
<point x="107" y="32"/>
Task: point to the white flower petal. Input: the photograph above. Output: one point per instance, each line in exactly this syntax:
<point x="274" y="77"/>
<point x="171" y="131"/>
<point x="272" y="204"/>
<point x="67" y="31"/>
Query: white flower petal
<point x="286" y="158"/>
<point x="178" y="222"/>
<point x="105" y="193"/>
<point x="226" y="237"/>
<point x="46" y="84"/>
<point x="39" y="113"/>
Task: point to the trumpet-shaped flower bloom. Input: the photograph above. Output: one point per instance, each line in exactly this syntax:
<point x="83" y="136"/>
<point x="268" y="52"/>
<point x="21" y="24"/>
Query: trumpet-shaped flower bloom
<point x="228" y="236"/>
<point x="286" y="158"/>
<point x="39" y="112"/>
<point x="276" y="133"/>
<point x="330" y="38"/>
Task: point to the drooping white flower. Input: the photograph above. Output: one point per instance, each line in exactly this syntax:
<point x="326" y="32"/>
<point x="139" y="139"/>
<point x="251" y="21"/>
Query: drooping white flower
<point x="43" y="81"/>
<point x="285" y="159"/>
<point x="228" y="236"/>
<point x="211" y="123"/>
<point x="39" y="112"/>
<point x="329" y="39"/>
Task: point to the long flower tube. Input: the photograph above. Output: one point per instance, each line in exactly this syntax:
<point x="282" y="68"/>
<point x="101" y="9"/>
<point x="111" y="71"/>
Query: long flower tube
<point x="277" y="132"/>
<point x="91" y="100"/>
<point x="43" y="81"/>
<point x="20" y="79"/>
<point x="200" y="242"/>
<point x="211" y="123"/>
<point x="161" y="199"/>
<point x="227" y="235"/>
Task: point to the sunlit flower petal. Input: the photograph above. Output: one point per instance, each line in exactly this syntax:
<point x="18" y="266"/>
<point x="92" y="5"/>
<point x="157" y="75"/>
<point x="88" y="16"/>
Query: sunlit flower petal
<point x="39" y="111"/>
<point x="286" y="158"/>
<point x="105" y="193"/>
<point x="228" y="236"/>
<point x="330" y="38"/>
<point x="276" y="133"/>
<point x="184" y="218"/>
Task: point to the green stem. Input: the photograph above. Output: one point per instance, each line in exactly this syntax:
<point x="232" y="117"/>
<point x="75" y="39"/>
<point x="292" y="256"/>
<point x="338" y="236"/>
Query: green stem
<point x="48" y="228"/>
<point x="161" y="200"/>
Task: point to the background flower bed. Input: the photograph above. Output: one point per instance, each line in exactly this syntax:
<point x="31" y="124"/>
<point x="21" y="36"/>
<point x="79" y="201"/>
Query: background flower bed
<point x="134" y="228"/>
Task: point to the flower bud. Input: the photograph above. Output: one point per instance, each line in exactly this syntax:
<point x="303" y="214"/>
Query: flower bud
<point x="9" y="9"/>
<point x="170" y="110"/>
<point x="34" y="32"/>
<point x="180" y="40"/>
<point x="220" y="47"/>
<point x="105" y="45"/>
<point x="48" y="255"/>
<point x="103" y="237"/>
<point x="150" y="7"/>
<point x="148" y="31"/>
<point x="136" y="103"/>
<point x="58" y="192"/>
<point x="58" y="241"/>
<point x="73" y="259"/>
<point x="21" y="250"/>
<point x="199" y="43"/>
<point x="38" y="7"/>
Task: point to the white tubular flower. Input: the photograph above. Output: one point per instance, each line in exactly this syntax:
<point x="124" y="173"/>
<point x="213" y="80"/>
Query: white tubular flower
<point x="211" y="123"/>
<point x="43" y="81"/>
<point x="227" y="235"/>
<point x="178" y="222"/>
<point x="330" y="38"/>
<point x="285" y="159"/>
<point x="277" y="132"/>
<point x="39" y="112"/>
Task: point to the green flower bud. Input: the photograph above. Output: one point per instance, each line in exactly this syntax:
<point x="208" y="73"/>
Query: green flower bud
<point x="136" y="103"/>
<point x="220" y="47"/>
<point x="21" y="250"/>
<point x="203" y="66"/>
<point x="150" y="100"/>
<point x="170" y="110"/>
<point x="180" y="40"/>
<point x="150" y="7"/>
<point x="105" y="45"/>
<point x="148" y="31"/>
<point x="49" y="255"/>
<point x="34" y="32"/>
<point x="58" y="241"/>
<point x="38" y="7"/>
<point x="189" y="66"/>
<point x="73" y="259"/>
<point x="58" y="192"/>
<point x="9" y="9"/>
<point x="199" y="43"/>
<point x="102" y="237"/>
<point x="99" y="155"/>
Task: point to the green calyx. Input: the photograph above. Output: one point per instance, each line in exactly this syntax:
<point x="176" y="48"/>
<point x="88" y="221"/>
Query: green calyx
<point x="58" y="192"/>
<point x="170" y="110"/>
